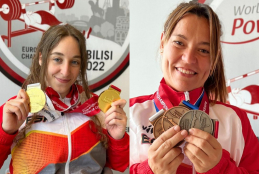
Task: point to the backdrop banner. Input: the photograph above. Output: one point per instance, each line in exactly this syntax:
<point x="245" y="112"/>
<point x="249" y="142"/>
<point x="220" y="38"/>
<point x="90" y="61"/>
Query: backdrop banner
<point x="105" y="24"/>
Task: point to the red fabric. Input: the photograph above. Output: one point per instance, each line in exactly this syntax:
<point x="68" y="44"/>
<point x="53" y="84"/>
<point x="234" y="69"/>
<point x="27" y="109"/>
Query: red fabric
<point x="116" y="88"/>
<point x="6" y="140"/>
<point x="142" y="168"/>
<point x="117" y="152"/>
<point x="58" y="104"/>
<point x="172" y="97"/>
<point x="166" y="97"/>
<point x="88" y="108"/>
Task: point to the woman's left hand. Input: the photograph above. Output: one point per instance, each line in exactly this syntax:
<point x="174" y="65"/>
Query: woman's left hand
<point x="203" y="150"/>
<point x="116" y="119"/>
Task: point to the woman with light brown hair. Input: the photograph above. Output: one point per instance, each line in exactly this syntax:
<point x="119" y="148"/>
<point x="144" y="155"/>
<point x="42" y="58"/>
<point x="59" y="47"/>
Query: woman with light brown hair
<point x="190" y="100"/>
<point x="66" y="135"/>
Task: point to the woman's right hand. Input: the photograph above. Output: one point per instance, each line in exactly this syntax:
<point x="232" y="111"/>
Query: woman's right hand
<point x="163" y="157"/>
<point x="15" y="112"/>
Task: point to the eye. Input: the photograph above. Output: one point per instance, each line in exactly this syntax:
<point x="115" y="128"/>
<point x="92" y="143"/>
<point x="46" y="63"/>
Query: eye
<point x="178" y="43"/>
<point x="75" y="62"/>
<point x="204" y="51"/>
<point x="58" y="60"/>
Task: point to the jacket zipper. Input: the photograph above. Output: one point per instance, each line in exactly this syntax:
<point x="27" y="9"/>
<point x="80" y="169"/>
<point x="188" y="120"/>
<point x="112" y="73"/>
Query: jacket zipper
<point x="69" y="146"/>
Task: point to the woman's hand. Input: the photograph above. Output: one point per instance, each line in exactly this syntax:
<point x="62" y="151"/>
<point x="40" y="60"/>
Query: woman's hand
<point x="15" y="112"/>
<point x="163" y="157"/>
<point x="116" y="119"/>
<point x="203" y="150"/>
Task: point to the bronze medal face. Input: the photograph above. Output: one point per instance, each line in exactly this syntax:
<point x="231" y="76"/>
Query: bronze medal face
<point x="158" y="128"/>
<point x="172" y="116"/>
<point x="196" y="119"/>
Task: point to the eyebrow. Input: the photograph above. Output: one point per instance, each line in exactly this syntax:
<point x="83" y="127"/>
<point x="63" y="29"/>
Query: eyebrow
<point x="185" y="38"/>
<point x="61" y="54"/>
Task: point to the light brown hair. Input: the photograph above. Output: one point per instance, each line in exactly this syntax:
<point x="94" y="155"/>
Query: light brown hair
<point x="215" y="85"/>
<point x="48" y="42"/>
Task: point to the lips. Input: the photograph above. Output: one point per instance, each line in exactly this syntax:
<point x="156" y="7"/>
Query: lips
<point x="62" y="80"/>
<point x="185" y="71"/>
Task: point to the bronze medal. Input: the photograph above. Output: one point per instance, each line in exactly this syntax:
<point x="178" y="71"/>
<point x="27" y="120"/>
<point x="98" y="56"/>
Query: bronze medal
<point x="158" y="128"/>
<point x="172" y="116"/>
<point x="196" y="119"/>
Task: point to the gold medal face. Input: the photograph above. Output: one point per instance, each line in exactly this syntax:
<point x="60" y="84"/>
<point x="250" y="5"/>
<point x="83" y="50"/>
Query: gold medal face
<point x="37" y="99"/>
<point x="106" y="98"/>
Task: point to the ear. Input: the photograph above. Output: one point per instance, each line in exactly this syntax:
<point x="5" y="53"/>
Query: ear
<point x="40" y="58"/>
<point x="162" y="42"/>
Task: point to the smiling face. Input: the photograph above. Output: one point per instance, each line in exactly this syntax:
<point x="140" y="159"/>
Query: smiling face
<point x="64" y="64"/>
<point x="186" y="55"/>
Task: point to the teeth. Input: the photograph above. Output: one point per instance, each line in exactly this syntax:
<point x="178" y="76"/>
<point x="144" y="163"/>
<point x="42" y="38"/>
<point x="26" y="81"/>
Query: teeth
<point x="185" y="71"/>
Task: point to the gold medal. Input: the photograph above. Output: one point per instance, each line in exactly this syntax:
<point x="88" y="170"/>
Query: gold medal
<point x="107" y="97"/>
<point x="37" y="97"/>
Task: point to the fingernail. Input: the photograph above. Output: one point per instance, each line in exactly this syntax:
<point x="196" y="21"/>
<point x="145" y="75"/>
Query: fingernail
<point x="191" y="131"/>
<point x="184" y="132"/>
<point x="176" y="128"/>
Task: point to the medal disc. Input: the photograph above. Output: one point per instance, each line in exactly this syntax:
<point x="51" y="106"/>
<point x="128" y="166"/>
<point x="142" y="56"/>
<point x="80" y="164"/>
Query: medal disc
<point x="196" y="119"/>
<point x="172" y="116"/>
<point x="37" y="99"/>
<point x="106" y="98"/>
<point x="158" y="128"/>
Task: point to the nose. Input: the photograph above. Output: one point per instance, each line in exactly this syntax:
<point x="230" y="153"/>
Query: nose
<point x="189" y="56"/>
<point x="65" y="69"/>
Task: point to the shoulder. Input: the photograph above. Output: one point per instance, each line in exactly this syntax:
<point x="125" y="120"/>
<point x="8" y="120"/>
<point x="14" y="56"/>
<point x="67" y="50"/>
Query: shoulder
<point x="141" y="99"/>
<point x="236" y="109"/>
<point x="231" y="115"/>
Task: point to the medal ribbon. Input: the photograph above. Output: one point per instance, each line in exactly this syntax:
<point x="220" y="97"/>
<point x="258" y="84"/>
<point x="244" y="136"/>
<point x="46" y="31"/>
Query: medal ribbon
<point x="88" y="108"/>
<point x="58" y="104"/>
<point x="166" y="97"/>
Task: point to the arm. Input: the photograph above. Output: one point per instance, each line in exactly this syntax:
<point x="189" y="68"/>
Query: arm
<point x="163" y="155"/>
<point x="141" y="168"/>
<point x="250" y="159"/>
<point x="12" y="115"/>
<point x="138" y="168"/>
<point x="118" y="145"/>
<point x="6" y="140"/>
<point x="118" y="153"/>
<point x="227" y="165"/>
